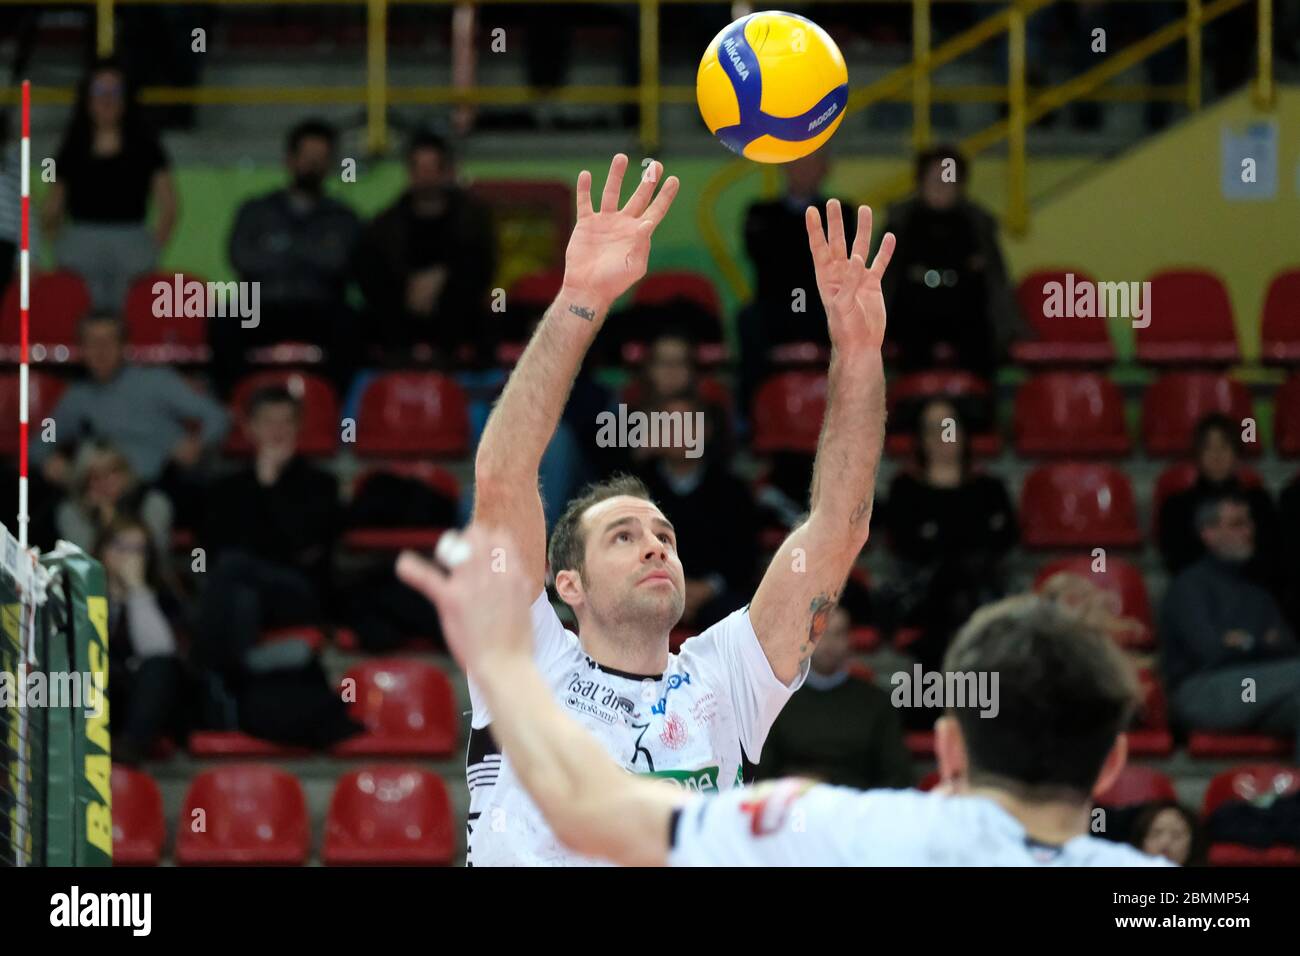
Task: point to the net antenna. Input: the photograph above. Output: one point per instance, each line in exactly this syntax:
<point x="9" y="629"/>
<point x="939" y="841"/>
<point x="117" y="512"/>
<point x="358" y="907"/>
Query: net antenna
<point x="24" y="287"/>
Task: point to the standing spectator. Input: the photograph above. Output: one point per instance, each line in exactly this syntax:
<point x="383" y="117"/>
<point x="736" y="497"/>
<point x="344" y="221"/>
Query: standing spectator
<point x="104" y="489"/>
<point x="712" y="512"/>
<point x="108" y="171"/>
<point x="10" y="204"/>
<point x="1217" y="446"/>
<point x="838" y="728"/>
<point x="952" y="296"/>
<point x="144" y="412"/>
<point x="948" y="527"/>
<point x="145" y="674"/>
<point x="1220" y="630"/>
<point x="298" y="244"/>
<point x="425" y="264"/>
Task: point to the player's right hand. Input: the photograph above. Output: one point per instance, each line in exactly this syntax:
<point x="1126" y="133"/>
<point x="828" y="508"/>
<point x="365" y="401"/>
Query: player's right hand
<point x="610" y="248"/>
<point x="478" y="584"/>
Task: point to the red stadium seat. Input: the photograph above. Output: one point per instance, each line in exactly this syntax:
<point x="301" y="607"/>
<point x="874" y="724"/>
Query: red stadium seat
<point x="59" y="300"/>
<point x="1120" y="578"/>
<point x="138" y="827"/>
<point x="438" y="480"/>
<point x="1070" y="413"/>
<point x="1176" y="401"/>
<point x="1136" y="785"/>
<point x="1286" y="417"/>
<point x="1280" y="325"/>
<point x="1181" y="476"/>
<point x="536" y="290"/>
<point x="1219" y="745"/>
<point x="320" y="411"/>
<point x="43" y="393"/>
<point x="164" y="340"/>
<point x="963" y="388"/>
<point x="788" y="411"/>
<point x="1149" y="736"/>
<point x="1255" y="783"/>
<point x="526" y="301"/>
<point x="234" y="743"/>
<point x="407" y="708"/>
<point x="920" y="743"/>
<point x="665" y="287"/>
<point x="1075" y="505"/>
<point x="412" y="413"/>
<point x="251" y="814"/>
<point x="389" y="815"/>
<point x="864" y="639"/>
<point x="1189" y="320"/>
<point x="1058" y="340"/>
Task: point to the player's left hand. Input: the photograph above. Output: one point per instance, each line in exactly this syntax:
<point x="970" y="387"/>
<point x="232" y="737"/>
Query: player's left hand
<point x="478" y="584"/>
<point x="850" y="292"/>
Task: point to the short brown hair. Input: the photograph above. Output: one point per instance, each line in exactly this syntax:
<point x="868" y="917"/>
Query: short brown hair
<point x="1065" y="692"/>
<point x="568" y="542"/>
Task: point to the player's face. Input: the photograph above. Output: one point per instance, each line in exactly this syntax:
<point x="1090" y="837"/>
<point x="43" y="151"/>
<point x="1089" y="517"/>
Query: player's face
<point x="631" y="570"/>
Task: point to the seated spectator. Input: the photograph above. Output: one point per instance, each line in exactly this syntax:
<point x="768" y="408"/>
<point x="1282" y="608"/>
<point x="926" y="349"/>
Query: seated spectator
<point x="948" y="528"/>
<point x="10" y="204"/>
<point x="1231" y="663"/>
<point x="838" y="728"/>
<point x="1169" y="829"/>
<point x="145" y="673"/>
<point x="104" y="489"/>
<point x="1289" y="524"/>
<point x="298" y="244"/>
<point x="670" y="371"/>
<point x="950" y="294"/>
<point x="268" y="539"/>
<point x="146" y="413"/>
<point x="1217" y="446"/>
<point x="776" y="241"/>
<point x="425" y="264"/>
<point x="108" y="171"/>
<point x="713" y="514"/>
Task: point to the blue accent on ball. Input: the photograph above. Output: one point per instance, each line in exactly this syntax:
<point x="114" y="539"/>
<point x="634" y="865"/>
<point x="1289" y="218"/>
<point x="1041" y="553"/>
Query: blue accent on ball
<point x="749" y="97"/>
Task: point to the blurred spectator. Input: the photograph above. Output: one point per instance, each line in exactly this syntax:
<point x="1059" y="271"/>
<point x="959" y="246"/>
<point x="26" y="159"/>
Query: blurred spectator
<point x="670" y="371"/>
<point x="1219" y="630"/>
<point x="425" y="264"/>
<point x="948" y="528"/>
<point x="108" y="171"/>
<point x="947" y="288"/>
<point x="838" y="728"/>
<point x="713" y="513"/>
<point x="1096" y="606"/>
<point x="103" y="489"/>
<point x="776" y="240"/>
<point x="10" y="203"/>
<point x="144" y="412"/>
<point x="1217" y="445"/>
<point x="1289" y="510"/>
<point x="271" y="527"/>
<point x="144" y="665"/>
<point x="1167" y="828"/>
<point x="299" y="245"/>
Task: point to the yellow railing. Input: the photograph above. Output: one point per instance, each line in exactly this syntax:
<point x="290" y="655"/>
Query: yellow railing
<point x="911" y="82"/>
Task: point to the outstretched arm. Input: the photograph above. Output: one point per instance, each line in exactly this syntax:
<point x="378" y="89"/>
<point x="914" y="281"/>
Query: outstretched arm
<point x="607" y="253"/>
<point x="793" y="603"/>
<point x="594" y="807"/>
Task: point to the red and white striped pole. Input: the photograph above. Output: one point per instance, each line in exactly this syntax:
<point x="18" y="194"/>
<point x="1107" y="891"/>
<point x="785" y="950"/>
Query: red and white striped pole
<point x="24" y="267"/>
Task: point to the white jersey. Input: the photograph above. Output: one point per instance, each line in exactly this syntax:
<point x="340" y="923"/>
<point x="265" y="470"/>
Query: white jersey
<point x="694" y="724"/>
<point x="799" y="823"/>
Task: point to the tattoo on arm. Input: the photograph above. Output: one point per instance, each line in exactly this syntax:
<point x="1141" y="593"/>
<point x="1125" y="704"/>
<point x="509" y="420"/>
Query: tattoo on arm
<point x="820" y="608"/>
<point x="863" y="510"/>
<point x="588" y="314"/>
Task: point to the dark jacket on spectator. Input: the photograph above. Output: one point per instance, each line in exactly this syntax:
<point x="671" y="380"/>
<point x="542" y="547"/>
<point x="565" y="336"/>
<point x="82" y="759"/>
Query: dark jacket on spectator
<point x="926" y="524"/>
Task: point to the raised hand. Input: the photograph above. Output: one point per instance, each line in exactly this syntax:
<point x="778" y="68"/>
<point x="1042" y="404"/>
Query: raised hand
<point x="609" y="249"/>
<point x="850" y="292"/>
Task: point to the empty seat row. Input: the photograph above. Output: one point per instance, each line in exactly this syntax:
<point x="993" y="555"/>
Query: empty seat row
<point x="254" y="814"/>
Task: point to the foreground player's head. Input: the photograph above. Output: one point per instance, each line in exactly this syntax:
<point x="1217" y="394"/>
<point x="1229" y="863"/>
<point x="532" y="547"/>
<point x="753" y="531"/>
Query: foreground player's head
<point x="614" y="557"/>
<point x="1065" y="695"/>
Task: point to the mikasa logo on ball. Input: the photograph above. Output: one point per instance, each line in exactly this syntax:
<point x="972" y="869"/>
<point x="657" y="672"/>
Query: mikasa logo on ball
<point x="829" y="112"/>
<point x="730" y="44"/>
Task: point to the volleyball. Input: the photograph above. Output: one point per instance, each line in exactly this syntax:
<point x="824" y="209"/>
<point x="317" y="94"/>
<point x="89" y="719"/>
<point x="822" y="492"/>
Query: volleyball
<point x="772" y="86"/>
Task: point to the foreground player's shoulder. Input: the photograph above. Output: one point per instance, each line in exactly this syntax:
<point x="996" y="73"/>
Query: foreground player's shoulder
<point x="1094" y="851"/>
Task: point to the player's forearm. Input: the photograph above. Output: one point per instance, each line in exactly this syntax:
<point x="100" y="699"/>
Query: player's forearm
<point x="525" y="417"/>
<point x="594" y="807"/>
<point x="848" y="451"/>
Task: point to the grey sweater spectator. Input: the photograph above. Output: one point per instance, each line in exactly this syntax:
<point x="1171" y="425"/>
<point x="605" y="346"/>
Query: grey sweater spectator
<point x="1231" y="662"/>
<point x="143" y="412"/>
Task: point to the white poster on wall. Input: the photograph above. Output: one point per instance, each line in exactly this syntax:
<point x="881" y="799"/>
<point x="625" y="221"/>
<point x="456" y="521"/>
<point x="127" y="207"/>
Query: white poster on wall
<point x="1250" y="163"/>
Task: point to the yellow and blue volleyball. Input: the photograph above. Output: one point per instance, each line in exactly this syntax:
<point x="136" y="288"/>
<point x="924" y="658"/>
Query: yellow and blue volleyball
<point x="772" y="86"/>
